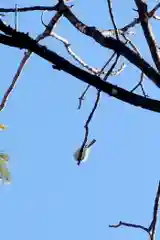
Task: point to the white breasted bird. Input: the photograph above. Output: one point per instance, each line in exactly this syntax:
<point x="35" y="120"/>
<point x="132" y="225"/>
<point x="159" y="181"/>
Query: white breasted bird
<point x="81" y="156"/>
<point x="4" y="172"/>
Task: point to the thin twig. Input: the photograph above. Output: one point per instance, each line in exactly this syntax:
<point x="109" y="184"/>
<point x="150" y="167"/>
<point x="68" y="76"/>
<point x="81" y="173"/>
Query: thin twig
<point x="152" y="12"/>
<point x="81" y="98"/>
<point x="151" y="230"/>
<point x="156" y="17"/>
<point x="152" y="227"/>
<point x="45" y="25"/>
<point x="139" y="84"/>
<point x="94" y="108"/>
<point x="72" y="54"/>
<point x="26" y="9"/>
<point x="148" y="33"/>
<point x="133" y="46"/>
<point x="27" y="55"/>
<point x="132" y="225"/>
<point x="112" y="18"/>
<point x="16" y="18"/>
<point x="137" y="20"/>
<point x="111" y="68"/>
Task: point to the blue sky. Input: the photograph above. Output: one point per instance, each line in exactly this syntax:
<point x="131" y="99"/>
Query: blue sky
<point x="50" y="197"/>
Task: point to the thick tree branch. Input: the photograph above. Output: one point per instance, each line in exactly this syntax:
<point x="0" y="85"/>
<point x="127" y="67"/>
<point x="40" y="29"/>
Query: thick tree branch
<point x="143" y="16"/>
<point x="108" y="42"/>
<point x="27" y="9"/>
<point x="111" y="43"/>
<point x="23" y="41"/>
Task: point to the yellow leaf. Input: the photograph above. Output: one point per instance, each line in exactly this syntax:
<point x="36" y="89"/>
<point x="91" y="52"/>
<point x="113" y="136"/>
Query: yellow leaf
<point x="3" y="127"/>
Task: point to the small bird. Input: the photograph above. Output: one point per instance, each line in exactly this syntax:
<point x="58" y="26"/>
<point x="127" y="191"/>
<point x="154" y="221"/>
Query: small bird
<point x="82" y="156"/>
<point x="4" y="172"/>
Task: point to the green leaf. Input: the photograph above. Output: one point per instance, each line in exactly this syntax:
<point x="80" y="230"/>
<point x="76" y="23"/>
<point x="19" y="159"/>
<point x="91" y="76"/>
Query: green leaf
<point x="5" y="174"/>
<point x="4" y="157"/>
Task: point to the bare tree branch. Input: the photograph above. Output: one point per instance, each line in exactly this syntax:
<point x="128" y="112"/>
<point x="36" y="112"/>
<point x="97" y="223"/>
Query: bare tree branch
<point x="132" y="225"/>
<point x="143" y="16"/>
<point x="140" y="84"/>
<point x="89" y="119"/>
<point x="152" y="227"/>
<point x="81" y="98"/>
<point x="22" y="40"/>
<point x="151" y="230"/>
<point x="137" y="20"/>
<point x="26" y="9"/>
<point x="27" y="55"/>
<point x="111" y="43"/>
<point x="112" y="18"/>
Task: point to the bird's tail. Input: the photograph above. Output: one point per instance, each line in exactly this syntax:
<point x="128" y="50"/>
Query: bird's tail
<point x="91" y="143"/>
